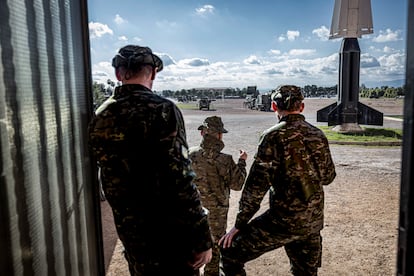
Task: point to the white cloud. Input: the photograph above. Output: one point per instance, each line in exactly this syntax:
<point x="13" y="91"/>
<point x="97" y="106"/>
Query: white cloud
<point x="270" y="70"/>
<point x="119" y="20"/>
<point x="166" y="59"/>
<point x="392" y="67"/>
<point x="274" y="52"/>
<point x="184" y="74"/>
<point x="137" y="39"/>
<point x="322" y="32"/>
<point x="252" y="60"/>
<point x="302" y="52"/>
<point x="102" y="71"/>
<point x="281" y="38"/>
<point x="122" y="38"/>
<point x="205" y="10"/>
<point x="387" y="36"/>
<point x="273" y="71"/>
<point x="396" y="60"/>
<point x="326" y="65"/>
<point x="368" y="61"/>
<point x="388" y="50"/>
<point x="292" y="35"/>
<point x="294" y="71"/>
<point x="373" y="49"/>
<point x="196" y="62"/>
<point x="97" y="29"/>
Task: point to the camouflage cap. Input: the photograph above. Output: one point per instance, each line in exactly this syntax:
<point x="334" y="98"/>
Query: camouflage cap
<point x="286" y="95"/>
<point x="132" y="56"/>
<point x="213" y="124"/>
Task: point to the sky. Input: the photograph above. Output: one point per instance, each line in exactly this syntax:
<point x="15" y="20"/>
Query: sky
<point x="236" y="43"/>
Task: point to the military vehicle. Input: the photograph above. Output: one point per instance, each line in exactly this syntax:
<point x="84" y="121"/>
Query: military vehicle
<point x="263" y="102"/>
<point x="204" y="103"/>
<point x="251" y="95"/>
<point x="257" y="101"/>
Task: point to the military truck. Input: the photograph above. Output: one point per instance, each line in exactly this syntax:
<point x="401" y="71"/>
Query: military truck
<point x="251" y="95"/>
<point x="263" y="102"/>
<point x="255" y="100"/>
<point x="204" y="102"/>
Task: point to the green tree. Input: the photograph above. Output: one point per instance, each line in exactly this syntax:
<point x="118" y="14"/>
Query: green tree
<point x="390" y="92"/>
<point x="99" y="94"/>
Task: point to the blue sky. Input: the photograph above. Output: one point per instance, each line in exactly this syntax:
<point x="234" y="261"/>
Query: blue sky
<point x="229" y="43"/>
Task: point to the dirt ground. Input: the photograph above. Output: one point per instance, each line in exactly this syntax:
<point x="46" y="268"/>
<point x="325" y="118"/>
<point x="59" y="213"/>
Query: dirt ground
<point x="361" y="205"/>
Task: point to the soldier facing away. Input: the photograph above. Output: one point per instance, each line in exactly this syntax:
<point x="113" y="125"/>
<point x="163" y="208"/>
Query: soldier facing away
<point x="216" y="173"/>
<point x="293" y="162"/>
<point x="139" y="141"/>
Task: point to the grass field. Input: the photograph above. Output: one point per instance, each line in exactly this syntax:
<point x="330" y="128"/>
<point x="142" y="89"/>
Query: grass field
<point x="368" y="135"/>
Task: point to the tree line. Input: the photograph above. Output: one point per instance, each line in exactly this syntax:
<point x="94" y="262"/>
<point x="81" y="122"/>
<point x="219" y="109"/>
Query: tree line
<point x="102" y="91"/>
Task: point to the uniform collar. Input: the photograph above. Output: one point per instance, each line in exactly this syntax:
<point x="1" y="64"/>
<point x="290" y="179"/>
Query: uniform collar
<point x="210" y="142"/>
<point x="128" y="89"/>
<point x="292" y="118"/>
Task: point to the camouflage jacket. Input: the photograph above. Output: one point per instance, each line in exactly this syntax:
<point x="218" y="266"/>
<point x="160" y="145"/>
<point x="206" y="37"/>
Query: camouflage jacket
<point x="139" y="141"/>
<point x="216" y="172"/>
<point x="293" y="160"/>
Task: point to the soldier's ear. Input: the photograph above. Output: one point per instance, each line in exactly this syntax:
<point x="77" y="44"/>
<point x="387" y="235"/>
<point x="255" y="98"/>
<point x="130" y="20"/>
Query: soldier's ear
<point x="274" y="106"/>
<point x="154" y="73"/>
<point x="118" y="74"/>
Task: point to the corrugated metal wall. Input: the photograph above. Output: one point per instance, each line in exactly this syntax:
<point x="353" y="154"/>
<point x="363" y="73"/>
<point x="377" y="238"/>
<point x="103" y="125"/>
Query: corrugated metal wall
<point x="49" y="224"/>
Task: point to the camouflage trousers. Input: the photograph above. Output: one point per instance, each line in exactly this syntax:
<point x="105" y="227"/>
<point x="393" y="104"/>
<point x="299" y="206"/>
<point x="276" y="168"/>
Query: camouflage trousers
<point x="152" y="254"/>
<point x="262" y="235"/>
<point x="218" y="224"/>
<point x="154" y="268"/>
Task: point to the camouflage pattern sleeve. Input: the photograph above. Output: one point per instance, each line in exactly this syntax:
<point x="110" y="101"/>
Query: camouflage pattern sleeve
<point x="328" y="174"/>
<point x="190" y="214"/>
<point x="233" y="174"/>
<point x="237" y="174"/>
<point x="257" y="184"/>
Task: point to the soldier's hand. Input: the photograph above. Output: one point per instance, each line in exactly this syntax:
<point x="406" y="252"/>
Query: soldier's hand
<point x="226" y="240"/>
<point x="243" y="155"/>
<point x="201" y="258"/>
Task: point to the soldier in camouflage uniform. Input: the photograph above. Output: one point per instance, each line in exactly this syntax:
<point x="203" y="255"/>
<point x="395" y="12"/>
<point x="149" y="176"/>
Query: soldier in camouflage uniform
<point x="293" y="162"/>
<point x="216" y="174"/>
<point x="139" y="141"/>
